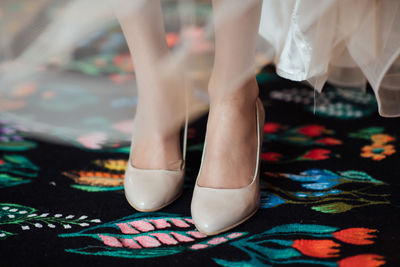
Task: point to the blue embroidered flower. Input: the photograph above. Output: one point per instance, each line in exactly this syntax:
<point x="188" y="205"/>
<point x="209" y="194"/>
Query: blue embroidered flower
<point x="269" y="200"/>
<point x="316" y="179"/>
<point x="317" y="194"/>
<point x="299" y="194"/>
<point x="320" y="186"/>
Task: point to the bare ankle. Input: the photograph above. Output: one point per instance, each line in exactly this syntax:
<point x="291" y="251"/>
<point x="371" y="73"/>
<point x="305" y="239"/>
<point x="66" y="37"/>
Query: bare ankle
<point x="244" y="95"/>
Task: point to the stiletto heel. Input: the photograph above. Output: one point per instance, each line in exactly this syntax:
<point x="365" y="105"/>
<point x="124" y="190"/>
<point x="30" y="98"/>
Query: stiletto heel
<point x="152" y="189"/>
<point x="217" y="210"/>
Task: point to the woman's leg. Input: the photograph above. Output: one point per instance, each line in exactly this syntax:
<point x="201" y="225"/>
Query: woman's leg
<point x="145" y="34"/>
<point x="230" y="157"/>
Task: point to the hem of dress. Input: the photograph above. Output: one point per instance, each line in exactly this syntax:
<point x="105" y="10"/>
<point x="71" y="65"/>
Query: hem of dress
<point x="378" y="98"/>
<point x="291" y="76"/>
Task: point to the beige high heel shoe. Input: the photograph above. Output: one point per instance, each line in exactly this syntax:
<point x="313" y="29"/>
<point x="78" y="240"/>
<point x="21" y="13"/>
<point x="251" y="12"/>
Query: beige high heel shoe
<point x="218" y="210"/>
<point x="152" y="189"/>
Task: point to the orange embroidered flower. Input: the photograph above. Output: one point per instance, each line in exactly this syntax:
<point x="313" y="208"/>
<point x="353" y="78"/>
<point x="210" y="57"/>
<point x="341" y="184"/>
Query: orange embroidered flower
<point x="124" y="62"/>
<point x="271" y="156"/>
<point x="377" y="151"/>
<point x="355" y="236"/>
<point x="316" y="154"/>
<point x="96" y="178"/>
<point x="271" y="127"/>
<point x="317" y="248"/>
<point x="172" y="39"/>
<point x="312" y="130"/>
<point x="382" y="138"/>
<point x="364" y="260"/>
<point x="328" y="141"/>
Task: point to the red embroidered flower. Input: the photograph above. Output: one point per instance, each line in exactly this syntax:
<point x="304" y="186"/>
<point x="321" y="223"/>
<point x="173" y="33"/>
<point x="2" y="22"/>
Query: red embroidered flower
<point x="362" y="260"/>
<point x="355" y="236"/>
<point x="2" y="162"/>
<point x="316" y="154"/>
<point x="312" y="130"/>
<point x="328" y="141"/>
<point x="271" y="156"/>
<point x="191" y="133"/>
<point x="317" y="248"/>
<point x="271" y="127"/>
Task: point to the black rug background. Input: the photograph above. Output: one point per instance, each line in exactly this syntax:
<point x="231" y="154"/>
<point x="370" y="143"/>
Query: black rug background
<point x="43" y="247"/>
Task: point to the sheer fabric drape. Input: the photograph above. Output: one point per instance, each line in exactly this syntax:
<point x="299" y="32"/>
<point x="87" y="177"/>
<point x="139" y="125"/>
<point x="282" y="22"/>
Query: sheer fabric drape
<point x="345" y="42"/>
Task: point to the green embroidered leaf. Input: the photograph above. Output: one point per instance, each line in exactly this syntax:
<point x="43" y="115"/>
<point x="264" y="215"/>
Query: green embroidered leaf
<point x="266" y="77"/>
<point x="84" y="67"/>
<point x="226" y="263"/>
<point x="366" y="133"/>
<point x="17" y="145"/>
<point x="260" y="255"/>
<point x="336" y="207"/>
<point x="301" y="228"/>
<point x="126" y="252"/>
<point x="372" y="130"/>
<point x="270" y="136"/>
<point x="198" y="147"/>
<point x="89" y="188"/>
<point x="7" y="180"/>
<point x="360" y="135"/>
<point x="359" y="176"/>
<point x="104" y="149"/>
<point x="20" y="160"/>
<point x="13" y="213"/>
<point x="4" y="234"/>
<point x="298" y="139"/>
<point x="351" y="111"/>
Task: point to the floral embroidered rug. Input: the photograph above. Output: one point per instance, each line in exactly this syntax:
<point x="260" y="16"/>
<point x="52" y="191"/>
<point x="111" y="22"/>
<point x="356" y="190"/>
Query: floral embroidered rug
<point x="330" y="194"/>
<point x="330" y="182"/>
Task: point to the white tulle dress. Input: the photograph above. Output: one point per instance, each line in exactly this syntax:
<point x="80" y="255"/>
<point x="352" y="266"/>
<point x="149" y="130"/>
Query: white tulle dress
<point x="345" y="42"/>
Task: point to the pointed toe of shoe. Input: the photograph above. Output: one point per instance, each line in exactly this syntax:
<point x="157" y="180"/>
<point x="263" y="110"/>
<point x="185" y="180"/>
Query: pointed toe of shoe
<point x="210" y="225"/>
<point x="150" y="190"/>
<point x="218" y="210"/>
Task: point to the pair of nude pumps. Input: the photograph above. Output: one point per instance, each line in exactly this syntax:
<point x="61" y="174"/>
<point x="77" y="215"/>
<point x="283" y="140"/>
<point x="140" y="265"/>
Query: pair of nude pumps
<point x="213" y="210"/>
